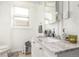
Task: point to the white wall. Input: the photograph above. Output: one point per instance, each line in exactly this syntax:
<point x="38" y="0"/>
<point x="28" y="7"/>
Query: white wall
<point x="5" y="24"/>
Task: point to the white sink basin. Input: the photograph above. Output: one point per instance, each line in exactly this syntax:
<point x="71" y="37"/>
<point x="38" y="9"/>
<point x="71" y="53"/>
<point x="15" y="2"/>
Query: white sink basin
<point x="52" y="40"/>
<point x="48" y="39"/>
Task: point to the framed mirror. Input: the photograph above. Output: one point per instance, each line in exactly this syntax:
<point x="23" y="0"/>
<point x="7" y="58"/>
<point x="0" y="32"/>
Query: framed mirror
<point x="50" y="12"/>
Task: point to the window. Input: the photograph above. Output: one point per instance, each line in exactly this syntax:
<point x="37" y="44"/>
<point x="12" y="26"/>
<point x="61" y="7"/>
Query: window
<point x="21" y="17"/>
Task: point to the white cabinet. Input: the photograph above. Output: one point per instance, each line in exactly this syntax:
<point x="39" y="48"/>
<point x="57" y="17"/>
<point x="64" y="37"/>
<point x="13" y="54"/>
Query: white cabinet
<point x="37" y="50"/>
<point x="49" y="53"/>
<point x="42" y="49"/>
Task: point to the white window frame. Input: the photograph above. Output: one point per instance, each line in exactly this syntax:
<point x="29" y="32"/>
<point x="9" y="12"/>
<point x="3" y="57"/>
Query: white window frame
<point x="12" y="19"/>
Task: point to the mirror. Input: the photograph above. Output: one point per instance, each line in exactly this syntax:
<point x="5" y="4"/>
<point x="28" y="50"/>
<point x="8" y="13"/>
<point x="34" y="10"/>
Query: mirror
<point x="50" y="12"/>
<point x="50" y="15"/>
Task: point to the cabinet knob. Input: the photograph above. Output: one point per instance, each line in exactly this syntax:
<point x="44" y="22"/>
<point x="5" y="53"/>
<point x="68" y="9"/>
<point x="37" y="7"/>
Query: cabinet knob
<point x="40" y="48"/>
<point x="40" y="40"/>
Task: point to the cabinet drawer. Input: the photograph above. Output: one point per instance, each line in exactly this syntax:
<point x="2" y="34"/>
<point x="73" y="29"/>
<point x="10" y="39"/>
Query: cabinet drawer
<point x="36" y="49"/>
<point x="49" y="53"/>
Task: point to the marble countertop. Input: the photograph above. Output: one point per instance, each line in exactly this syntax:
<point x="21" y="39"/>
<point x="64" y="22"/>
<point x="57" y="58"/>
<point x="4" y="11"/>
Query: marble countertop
<point x="58" y="47"/>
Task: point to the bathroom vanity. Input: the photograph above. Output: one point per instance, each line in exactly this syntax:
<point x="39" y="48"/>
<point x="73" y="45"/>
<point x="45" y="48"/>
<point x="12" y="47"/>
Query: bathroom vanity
<point x="52" y="47"/>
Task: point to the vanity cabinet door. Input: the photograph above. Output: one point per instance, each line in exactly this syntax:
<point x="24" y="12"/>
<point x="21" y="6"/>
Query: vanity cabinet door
<point x="48" y="53"/>
<point x="37" y="50"/>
